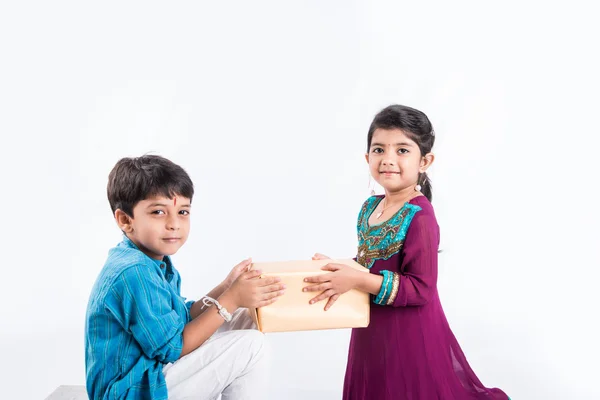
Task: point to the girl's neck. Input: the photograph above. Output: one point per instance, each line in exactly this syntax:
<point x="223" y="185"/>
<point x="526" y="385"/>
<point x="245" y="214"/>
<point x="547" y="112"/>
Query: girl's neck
<point x="401" y="196"/>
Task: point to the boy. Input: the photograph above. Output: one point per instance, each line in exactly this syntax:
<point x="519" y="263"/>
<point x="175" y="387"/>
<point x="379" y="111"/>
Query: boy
<point x="138" y="326"/>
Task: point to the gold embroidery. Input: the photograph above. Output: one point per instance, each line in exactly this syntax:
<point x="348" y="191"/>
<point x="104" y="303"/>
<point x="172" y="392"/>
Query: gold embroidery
<point x="380" y="241"/>
<point x="395" y="286"/>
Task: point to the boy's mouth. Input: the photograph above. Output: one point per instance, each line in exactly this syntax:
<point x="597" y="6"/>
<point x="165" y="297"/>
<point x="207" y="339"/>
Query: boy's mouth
<point x="171" y="240"/>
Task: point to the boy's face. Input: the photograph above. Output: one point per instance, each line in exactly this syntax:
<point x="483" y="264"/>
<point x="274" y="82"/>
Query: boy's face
<point x="160" y="225"/>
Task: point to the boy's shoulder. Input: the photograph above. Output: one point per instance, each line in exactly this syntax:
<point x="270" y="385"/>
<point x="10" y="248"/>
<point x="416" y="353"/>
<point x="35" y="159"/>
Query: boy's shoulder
<point x="122" y="262"/>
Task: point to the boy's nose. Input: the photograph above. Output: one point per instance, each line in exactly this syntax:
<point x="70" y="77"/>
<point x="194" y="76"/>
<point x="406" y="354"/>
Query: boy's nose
<point x="172" y="224"/>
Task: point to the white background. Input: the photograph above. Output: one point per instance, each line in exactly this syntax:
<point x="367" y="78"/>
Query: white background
<point x="267" y="106"/>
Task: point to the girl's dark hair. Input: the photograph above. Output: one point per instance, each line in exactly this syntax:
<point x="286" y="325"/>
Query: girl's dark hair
<point x="135" y="179"/>
<point x="415" y="125"/>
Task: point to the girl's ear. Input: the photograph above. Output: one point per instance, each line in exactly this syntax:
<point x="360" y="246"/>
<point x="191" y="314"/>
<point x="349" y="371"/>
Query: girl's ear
<point x="426" y="162"/>
<point x="367" y="157"/>
<point x="124" y="221"/>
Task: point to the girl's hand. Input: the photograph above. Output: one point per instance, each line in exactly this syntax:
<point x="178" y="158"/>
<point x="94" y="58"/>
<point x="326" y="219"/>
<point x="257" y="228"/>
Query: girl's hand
<point x="342" y="279"/>
<point x="236" y="272"/>
<point x="319" y="256"/>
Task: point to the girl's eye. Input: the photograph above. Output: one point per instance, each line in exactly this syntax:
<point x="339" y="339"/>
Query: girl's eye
<point x="402" y="151"/>
<point x="184" y="212"/>
<point x="378" y="150"/>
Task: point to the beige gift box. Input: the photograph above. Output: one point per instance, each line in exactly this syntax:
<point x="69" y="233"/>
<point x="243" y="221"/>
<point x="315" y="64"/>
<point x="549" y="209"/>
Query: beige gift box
<point x="292" y="312"/>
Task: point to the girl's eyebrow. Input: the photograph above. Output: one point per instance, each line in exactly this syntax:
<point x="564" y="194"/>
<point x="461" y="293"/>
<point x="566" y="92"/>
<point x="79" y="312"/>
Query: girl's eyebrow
<point x="397" y="144"/>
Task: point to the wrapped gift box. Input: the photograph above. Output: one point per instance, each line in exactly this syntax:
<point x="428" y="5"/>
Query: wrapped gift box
<point x="292" y="311"/>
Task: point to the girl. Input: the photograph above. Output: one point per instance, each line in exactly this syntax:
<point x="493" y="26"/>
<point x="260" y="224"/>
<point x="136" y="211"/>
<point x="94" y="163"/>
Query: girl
<point x="408" y="351"/>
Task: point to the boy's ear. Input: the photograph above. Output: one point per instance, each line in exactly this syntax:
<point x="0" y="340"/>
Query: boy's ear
<point x="123" y="220"/>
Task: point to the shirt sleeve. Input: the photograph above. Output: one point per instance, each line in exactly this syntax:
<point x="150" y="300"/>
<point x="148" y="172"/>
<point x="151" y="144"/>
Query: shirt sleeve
<point x="143" y="307"/>
<point x="416" y="282"/>
<point x="188" y="303"/>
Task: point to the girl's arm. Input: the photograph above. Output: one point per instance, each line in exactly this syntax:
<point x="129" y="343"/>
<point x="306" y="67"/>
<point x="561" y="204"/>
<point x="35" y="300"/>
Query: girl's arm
<point x="413" y="287"/>
<point x="417" y="283"/>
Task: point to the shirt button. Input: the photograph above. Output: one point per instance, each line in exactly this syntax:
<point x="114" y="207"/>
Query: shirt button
<point x="162" y="265"/>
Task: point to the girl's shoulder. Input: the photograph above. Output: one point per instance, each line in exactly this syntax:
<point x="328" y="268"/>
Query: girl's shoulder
<point x="424" y="205"/>
<point x="369" y="204"/>
<point x="425" y="216"/>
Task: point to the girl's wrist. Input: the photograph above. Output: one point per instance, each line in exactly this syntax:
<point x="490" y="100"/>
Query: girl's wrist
<point x="357" y="280"/>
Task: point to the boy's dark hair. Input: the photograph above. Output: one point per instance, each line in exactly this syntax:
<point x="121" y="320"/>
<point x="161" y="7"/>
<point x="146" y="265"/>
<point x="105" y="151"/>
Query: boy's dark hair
<point x="415" y="125"/>
<point x="135" y="179"/>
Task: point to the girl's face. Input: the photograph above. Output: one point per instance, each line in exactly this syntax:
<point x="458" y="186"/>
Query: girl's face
<point x="395" y="161"/>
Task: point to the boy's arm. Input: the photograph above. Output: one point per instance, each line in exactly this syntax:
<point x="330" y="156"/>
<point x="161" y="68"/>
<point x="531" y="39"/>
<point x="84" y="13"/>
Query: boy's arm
<point x="143" y="307"/>
<point x="201" y="327"/>
<point x="198" y="307"/>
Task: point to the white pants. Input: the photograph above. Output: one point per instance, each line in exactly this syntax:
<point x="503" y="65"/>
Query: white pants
<point x="232" y="364"/>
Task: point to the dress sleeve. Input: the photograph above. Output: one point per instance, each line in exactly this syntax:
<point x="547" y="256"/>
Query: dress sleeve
<point x="143" y="307"/>
<point x="416" y="282"/>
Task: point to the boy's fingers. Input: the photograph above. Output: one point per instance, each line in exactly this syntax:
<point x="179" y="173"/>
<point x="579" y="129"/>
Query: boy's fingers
<point x="272" y="295"/>
<point x="244" y="264"/>
<point x="273" y="288"/>
<point x="251" y="274"/>
<point x="270" y="280"/>
<point x="266" y="302"/>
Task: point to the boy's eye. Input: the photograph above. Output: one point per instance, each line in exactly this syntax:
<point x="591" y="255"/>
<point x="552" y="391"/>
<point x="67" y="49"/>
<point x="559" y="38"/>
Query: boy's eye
<point x="184" y="212"/>
<point x="157" y="212"/>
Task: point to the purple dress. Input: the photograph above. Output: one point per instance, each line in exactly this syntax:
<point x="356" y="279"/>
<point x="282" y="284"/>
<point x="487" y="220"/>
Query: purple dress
<point x="408" y="351"/>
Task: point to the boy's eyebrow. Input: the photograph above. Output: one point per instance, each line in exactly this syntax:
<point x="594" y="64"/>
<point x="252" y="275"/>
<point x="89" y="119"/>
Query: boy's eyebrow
<point x="165" y="205"/>
<point x="157" y="205"/>
<point x="397" y="144"/>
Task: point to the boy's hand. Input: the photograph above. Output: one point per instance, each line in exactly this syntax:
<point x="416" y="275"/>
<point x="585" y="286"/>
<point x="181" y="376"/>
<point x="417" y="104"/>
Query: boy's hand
<point x="342" y="279"/>
<point x="236" y="272"/>
<point x="250" y="291"/>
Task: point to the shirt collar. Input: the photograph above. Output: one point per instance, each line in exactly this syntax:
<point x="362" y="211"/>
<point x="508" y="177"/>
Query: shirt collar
<point x="165" y="265"/>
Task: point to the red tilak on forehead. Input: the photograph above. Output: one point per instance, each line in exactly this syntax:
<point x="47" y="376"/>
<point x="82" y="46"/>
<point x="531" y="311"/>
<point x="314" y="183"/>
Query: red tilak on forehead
<point x="174" y="201"/>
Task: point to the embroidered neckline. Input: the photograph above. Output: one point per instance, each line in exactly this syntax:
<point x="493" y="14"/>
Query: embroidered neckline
<point x="383" y="240"/>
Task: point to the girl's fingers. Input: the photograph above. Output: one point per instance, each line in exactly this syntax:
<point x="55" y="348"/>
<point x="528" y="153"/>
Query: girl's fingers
<point x="322" y="296"/>
<point x="317" y="288"/>
<point x="317" y="279"/>
<point x="332" y="300"/>
<point x="319" y="256"/>
<point x="331" y="267"/>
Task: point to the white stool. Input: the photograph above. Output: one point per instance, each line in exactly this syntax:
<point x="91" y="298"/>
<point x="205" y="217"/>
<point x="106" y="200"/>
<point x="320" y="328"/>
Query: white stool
<point x="66" y="392"/>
